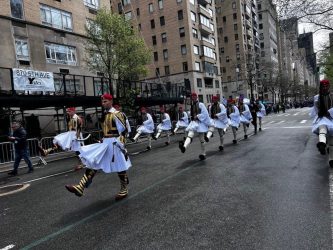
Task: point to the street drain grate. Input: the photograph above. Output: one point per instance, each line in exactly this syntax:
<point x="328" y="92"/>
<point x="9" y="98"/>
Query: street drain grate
<point x="12" y="189"/>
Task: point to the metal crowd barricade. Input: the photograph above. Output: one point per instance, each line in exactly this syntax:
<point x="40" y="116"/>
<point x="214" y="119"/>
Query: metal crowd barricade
<point x="6" y="152"/>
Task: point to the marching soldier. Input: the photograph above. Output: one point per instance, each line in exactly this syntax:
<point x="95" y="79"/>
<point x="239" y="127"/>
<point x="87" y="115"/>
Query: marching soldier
<point x="68" y="141"/>
<point x="164" y="126"/>
<point x="322" y="112"/>
<point x="147" y="127"/>
<point x="219" y="120"/>
<point x="182" y="120"/>
<point x="110" y="155"/>
<point x="245" y="115"/>
<point x="234" y="116"/>
<point x="261" y="113"/>
<point x="199" y="123"/>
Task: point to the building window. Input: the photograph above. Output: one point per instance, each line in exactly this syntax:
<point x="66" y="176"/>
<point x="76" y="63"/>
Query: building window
<point x="138" y="12"/>
<point x="260" y="16"/>
<point x="237" y="47"/>
<point x="224" y="18"/>
<point x="262" y="53"/>
<point x="152" y="24"/>
<point x="192" y="2"/>
<point x="222" y="50"/>
<point x="182" y="32"/>
<point x="217" y="84"/>
<point x="164" y="37"/>
<point x="224" y="70"/>
<point x="125" y="2"/>
<point x="262" y="45"/>
<point x="259" y="6"/>
<point x="193" y="16"/>
<point x="139" y="26"/>
<point x="73" y="86"/>
<point x="235" y="26"/>
<point x="185" y="67"/>
<point x="238" y="56"/>
<point x="56" y="18"/>
<point x="128" y="15"/>
<point x="157" y="72"/>
<point x="150" y="8"/>
<point x="155" y="56"/>
<point x="227" y="59"/>
<point x="93" y="4"/>
<point x="260" y="26"/>
<point x="183" y="49"/>
<point x="160" y="4"/>
<point x="234" y="16"/>
<point x="165" y="54"/>
<point x="234" y="5"/>
<point x="180" y="15"/>
<point x="16" y="7"/>
<point x="167" y="70"/>
<point x="225" y="39"/>
<point x="236" y="37"/>
<point x="200" y="97"/>
<point x="60" y="54"/>
<point x="162" y="21"/>
<point x="178" y="1"/>
<point x="195" y="33"/>
<point x="197" y="66"/>
<point x="196" y="49"/>
<point x="22" y="49"/>
<point x="153" y="38"/>
<point x="199" y="82"/>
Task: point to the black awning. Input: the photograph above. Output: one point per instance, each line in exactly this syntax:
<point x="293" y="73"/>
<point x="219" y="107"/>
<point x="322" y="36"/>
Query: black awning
<point x="34" y="102"/>
<point x="152" y="101"/>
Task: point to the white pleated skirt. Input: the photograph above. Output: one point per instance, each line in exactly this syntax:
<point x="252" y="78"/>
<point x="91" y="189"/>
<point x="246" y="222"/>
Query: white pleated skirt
<point x="322" y="121"/>
<point x="67" y="141"/>
<point x="105" y="156"/>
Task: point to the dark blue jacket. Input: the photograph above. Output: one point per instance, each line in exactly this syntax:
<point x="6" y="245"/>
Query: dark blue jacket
<point x="20" y="138"/>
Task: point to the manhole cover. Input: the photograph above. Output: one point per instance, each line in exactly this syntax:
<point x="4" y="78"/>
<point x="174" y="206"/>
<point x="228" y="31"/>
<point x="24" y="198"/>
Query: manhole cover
<point x="12" y="189"/>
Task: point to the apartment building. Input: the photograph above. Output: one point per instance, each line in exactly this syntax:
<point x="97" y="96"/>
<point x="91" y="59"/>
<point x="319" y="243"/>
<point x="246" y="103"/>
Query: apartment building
<point x="47" y="37"/>
<point x="238" y="39"/>
<point x="269" y="60"/>
<point x="182" y="37"/>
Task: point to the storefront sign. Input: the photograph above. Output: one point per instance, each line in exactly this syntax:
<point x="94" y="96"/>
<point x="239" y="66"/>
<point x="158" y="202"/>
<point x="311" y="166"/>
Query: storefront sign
<point x="32" y="80"/>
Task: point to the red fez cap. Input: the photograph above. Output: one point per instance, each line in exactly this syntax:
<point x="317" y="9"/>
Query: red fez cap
<point x="324" y="82"/>
<point x="194" y="94"/>
<point x="215" y="98"/>
<point x="71" y="109"/>
<point x="231" y="101"/>
<point x="107" y="96"/>
<point x="143" y="109"/>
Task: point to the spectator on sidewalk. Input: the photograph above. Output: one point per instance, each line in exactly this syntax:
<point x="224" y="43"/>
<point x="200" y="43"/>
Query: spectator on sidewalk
<point x="19" y="139"/>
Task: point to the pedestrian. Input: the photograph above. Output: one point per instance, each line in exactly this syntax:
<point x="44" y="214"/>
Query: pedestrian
<point x="199" y="123"/>
<point x="110" y="155"/>
<point x="254" y="112"/>
<point x="147" y="127"/>
<point x="234" y="116"/>
<point x="245" y="114"/>
<point x="164" y="126"/>
<point x="182" y="120"/>
<point x="19" y="138"/>
<point x="322" y="113"/>
<point x="68" y="141"/>
<point x="219" y="120"/>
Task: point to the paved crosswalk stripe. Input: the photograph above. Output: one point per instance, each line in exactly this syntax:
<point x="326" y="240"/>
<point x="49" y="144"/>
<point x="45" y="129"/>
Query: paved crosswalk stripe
<point x="280" y="122"/>
<point x="296" y="113"/>
<point x="303" y="121"/>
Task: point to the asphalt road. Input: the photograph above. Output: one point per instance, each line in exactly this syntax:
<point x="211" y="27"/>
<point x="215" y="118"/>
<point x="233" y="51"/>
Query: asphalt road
<point x="271" y="191"/>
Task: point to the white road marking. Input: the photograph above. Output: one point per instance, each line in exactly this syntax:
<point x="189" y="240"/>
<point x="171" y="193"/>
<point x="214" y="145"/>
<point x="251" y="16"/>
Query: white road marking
<point x="8" y="247"/>
<point x="303" y="121"/>
<point x="297" y="113"/>
<point x="271" y="122"/>
<point x="287" y="115"/>
<point x="48" y="176"/>
<point x="280" y="122"/>
<point x="25" y="186"/>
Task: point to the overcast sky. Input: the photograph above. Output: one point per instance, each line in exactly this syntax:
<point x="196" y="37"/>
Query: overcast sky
<point x="320" y="38"/>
